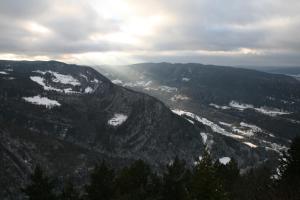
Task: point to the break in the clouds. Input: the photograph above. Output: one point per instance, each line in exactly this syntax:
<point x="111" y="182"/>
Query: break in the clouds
<point x="231" y="32"/>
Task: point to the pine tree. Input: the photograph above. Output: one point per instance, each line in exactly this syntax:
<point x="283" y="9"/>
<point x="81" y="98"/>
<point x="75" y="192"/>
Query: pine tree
<point x="69" y="192"/>
<point x="136" y="182"/>
<point x="254" y="184"/>
<point x="40" y="187"/>
<point x="229" y="175"/>
<point x="205" y="184"/>
<point x="101" y="183"/>
<point x="289" y="172"/>
<point x="175" y="181"/>
<point x="154" y="187"/>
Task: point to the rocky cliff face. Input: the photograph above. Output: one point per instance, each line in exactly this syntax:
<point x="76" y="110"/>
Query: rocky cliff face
<point x="67" y="117"/>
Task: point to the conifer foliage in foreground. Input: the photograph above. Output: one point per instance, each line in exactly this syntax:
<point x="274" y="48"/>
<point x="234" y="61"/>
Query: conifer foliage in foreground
<point x="207" y="180"/>
<point x="41" y="187"/>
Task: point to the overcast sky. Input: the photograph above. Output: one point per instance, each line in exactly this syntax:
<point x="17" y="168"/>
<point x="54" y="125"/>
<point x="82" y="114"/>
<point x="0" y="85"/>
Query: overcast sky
<point x="224" y="32"/>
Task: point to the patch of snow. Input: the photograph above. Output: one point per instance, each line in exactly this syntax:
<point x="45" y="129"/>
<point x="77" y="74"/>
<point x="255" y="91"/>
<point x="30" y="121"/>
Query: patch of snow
<point x="39" y="80"/>
<point x="84" y="76"/>
<point x="192" y="122"/>
<point x="240" y="106"/>
<point x="117" y="119"/>
<point x="70" y="91"/>
<point x="247" y="129"/>
<point x="244" y="132"/>
<point x="213" y="126"/>
<point x="130" y="84"/>
<point x="148" y="83"/>
<point x="270" y="134"/>
<point x="142" y="83"/>
<point x="179" y="97"/>
<point x="225" y="124"/>
<point x="253" y="127"/>
<point x="219" y="107"/>
<point x="287" y="102"/>
<point x="165" y="88"/>
<point x="117" y="81"/>
<point x="65" y="79"/>
<point x="204" y="137"/>
<point x="273" y="112"/>
<point x="197" y="161"/>
<point x="244" y="128"/>
<point x="218" y="129"/>
<point x="184" y="79"/>
<point x="138" y="84"/>
<point x="224" y="160"/>
<point x="60" y="78"/>
<point x="44" y="101"/>
<point x="277" y="174"/>
<point x="250" y="144"/>
<point x="88" y="90"/>
<point x="4" y="73"/>
<point x="95" y="81"/>
<point x="150" y="88"/>
<point x="275" y="147"/>
<point x="40" y="72"/>
<point x="209" y="143"/>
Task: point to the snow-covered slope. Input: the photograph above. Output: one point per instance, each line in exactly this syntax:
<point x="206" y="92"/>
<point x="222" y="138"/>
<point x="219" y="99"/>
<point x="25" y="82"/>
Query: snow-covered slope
<point x="44" y="101"/>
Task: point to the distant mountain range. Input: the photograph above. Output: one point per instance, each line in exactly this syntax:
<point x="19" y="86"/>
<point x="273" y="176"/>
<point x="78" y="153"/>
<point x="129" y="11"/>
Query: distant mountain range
<point x="68" y="117"/>
<point x="290" y="71"/>
<point x="258" y="109"/>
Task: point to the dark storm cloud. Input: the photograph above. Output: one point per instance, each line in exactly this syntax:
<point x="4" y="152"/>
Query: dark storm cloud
<point x="231" y="32"/>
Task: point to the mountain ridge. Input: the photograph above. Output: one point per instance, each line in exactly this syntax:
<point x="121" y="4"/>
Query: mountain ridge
<point x="92" y="119"/>
<point x="259" y="107"/>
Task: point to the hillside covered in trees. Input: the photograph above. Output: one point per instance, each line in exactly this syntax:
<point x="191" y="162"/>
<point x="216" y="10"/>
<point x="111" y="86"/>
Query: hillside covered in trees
<point x="208" y="179"/>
